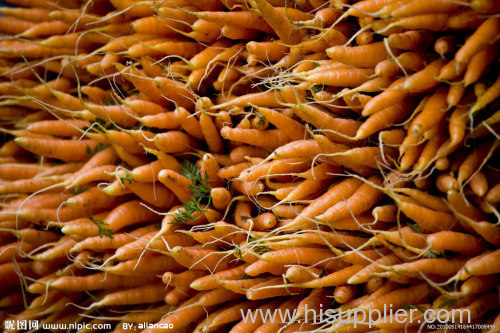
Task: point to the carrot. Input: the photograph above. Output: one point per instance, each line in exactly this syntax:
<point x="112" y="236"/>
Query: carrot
<point x="479" y="63"/>
<point x="357" y="56"/>
<point x="333" y="195"/>
<point x="389" y="97"/>
<point x="433" y="111"/>
<point x="413" y="40"/>
<point x="203" y="259"/>
<point x="175" y="142"/>
<point x="211" y="134"/>
<point x="344" y="293"/>
<point x="476" y="309"/>
<point x="99" y="281"/>
<point x="149" y="293"/>
<point x="259" y="291"/>
<point x="127" y="214"/>
<point x="411" y="295"/>
<point x="298" y="274"/>
<point x="303" y="256"/>
<point x="383" y="118"/>
<point x="261" y="267"/>
<point x="493" y="196"/>
<point x="259" y="138"/>
<point x="483" y="264"/>
<point x="334" y="279"/>
<point x="289" y="305"/>
<point x="341" y="77"/>
<point x="478" y="284"/>
<point x="483" y="36"/>
<point x="68" y="150"/>
<point x="279" y="22"/>
<point x="492" y="93"/>
<point x="29" y="14"/>
<point x="360" y="201"/>
<point x="426" y="78"/>
<point x="474" y="160"/>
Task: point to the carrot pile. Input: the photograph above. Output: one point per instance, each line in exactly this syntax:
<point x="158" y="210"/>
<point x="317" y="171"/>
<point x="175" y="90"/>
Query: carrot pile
<point x="179" y="162"/>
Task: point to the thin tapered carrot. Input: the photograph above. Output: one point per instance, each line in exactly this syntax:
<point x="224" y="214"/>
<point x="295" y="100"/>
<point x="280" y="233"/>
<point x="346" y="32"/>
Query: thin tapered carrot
<point x="211" y="134"/>
<point x="333" y="195"/>
<point x="69" y="150"/>
<point x="14" y="26"/>
<point x="276" y="167"/>
<point x="392" y="95"/>
<point x="341" y="77"/>
<point x="433" y="111"/>
<point x="455" y="241"/>
<point x="331" y="127"/>
<point x="381" y="119"/>
<point x="13" y="251"/>
<point x="289" y="305"/>
<point x="493" y="195"/>
<point x="259" y="138"/>
<point x="426" y="199"/>
<point x="304" y="256"/>
<point x="126" y="214"/>
<point x="31" y="185"/>
<point x="29" y="14"/>
<point x="153" y="193"/>
<point x="293" y="129"/>
<point x="203" y="259"/>
<point x="478" y="284"/>
<point x="228" y="314"/>
<point x="99" y="281"/>
<point x="261" y="267"/>
<point x="135" y="249"/>
<point x="45" y="29"/>
<point x="209" y="282"/>
<point x="483" y="36"/>
<point x="279" y="22"/>
<point x="166" y="120"/>
<point x="479" y="184"/>
<point x="484" y="264"/>
<point x="98" y="243"/>
<point x="334" y="279"/>
<point x="492" y="93"/>
<point x="438" y="266"/>
<point x="357" y="56"/>
<point x="413" y="40"/>
<point x="424" y="79"/>
<point x="177" y="183"/>
<point x="474" y="160"/>
<point x="175" y="142"/>
<point x="413" y="295"/>
<point x="412" y="8"/>
<point x="259" y="291"/>
<point x="271" y="51"/>
<point x="479" y="64"/>
<point x="91" y="198"/>
<point x="18" y="171"/>
<point x="360" y="201"/>
<point x="364" y="274"/>
<point x="149" y="293"/>
<point x="427" y="219"/>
